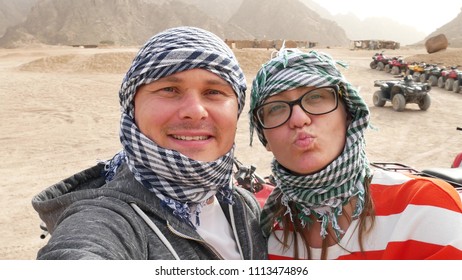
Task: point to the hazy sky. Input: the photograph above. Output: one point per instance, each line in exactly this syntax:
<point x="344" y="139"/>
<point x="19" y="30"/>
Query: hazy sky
<point x="425" y="16"/>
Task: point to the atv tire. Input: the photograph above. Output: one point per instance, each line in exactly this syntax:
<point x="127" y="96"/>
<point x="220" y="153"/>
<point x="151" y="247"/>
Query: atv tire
<point x="387" y="68"/>
<point x="395" y="70"/>
<point x="380" y="66"/>
<point x="399" y="102"/>
<point x="440" y="82"/>
<point x="422" y="78"/>
<point x="448" y="84"/>
<point x="373" y="65"/>
<point x="433" y="80"/>
<point x="456" y="86"/>
<point x="378" y="99"/>
<point x="425" y="103"/>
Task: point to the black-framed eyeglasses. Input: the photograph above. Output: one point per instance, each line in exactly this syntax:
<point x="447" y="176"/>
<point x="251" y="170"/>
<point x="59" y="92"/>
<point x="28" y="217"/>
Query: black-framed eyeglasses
<point x="317" y="101"/>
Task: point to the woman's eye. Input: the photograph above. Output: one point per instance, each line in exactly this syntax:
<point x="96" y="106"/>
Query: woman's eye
<point x="276" y="108"/>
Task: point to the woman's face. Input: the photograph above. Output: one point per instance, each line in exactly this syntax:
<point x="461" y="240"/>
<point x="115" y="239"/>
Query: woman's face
<point x="307" y="143"/>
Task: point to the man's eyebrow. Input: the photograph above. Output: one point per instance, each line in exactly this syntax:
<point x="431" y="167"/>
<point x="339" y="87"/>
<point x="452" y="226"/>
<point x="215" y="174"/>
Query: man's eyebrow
<point x="210" y="81"/>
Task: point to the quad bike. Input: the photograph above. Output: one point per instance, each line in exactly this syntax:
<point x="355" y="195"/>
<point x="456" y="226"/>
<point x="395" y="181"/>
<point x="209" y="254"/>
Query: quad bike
<point x="416" y="70"/>
<point x="401" y="92"/>
<point x="431" y="74"/>
<point x="448" y="77"/>
<point x="457" y="163"/>
<point x="396" y="66"/>
<point x="452" y="175"/>
<point x="379" y="61"/>
<point x="457" y="83"/>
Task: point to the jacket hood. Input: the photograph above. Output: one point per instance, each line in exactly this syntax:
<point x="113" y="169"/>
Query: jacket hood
<point x="52" y="202"/>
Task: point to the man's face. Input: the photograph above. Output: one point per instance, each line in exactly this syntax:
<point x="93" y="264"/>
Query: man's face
<point x="193" y="112"/>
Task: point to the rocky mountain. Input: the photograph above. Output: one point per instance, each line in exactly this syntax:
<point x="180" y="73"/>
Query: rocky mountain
<point x="289" y="20"/>
<point x="13" y="12"/>
<point x="452" y="30"/>
<point x="131" y="22"/>
<point x="121" y="22"/>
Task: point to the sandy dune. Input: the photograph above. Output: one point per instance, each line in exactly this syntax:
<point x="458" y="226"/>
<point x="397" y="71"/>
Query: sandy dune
<point x="59" y="110"/>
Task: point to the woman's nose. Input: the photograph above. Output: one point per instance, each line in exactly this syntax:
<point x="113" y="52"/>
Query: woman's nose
<point x="299" y="118"/>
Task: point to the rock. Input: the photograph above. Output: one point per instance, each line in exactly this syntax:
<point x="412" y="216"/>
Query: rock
<point x="436" y="43"/>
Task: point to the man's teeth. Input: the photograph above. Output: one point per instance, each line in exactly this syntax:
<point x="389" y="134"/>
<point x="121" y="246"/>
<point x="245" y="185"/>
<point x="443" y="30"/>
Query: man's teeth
<point x="190" y="138"/>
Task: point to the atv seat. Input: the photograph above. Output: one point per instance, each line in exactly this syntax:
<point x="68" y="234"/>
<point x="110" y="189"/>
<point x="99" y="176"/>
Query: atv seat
<point x="451" y="175"/>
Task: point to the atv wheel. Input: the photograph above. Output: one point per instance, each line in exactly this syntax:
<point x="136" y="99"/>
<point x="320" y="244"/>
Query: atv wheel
<point x="433" y="80"/>
<point x="387" y="68"/>
<point x="395" y="70"/>
<point x="378" y="99"/>
<point x="373" y="65"/>
<point x="440" y="82"/>
<point x="399" y="102"/>
<point x="380" y="66"/>
<point x="448" y="84"/>
<point x="425" y="103"/>
<point x="456" y="86"/>
<point x="422" y="78"/>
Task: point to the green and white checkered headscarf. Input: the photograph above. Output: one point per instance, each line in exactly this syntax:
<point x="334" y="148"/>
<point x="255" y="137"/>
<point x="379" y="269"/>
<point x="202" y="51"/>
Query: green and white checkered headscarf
<point x="323" y="193"/>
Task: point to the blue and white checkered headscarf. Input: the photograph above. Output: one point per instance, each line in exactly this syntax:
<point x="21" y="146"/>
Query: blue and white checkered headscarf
<point x="323" y="193"/>
<point x="182" y="184"/>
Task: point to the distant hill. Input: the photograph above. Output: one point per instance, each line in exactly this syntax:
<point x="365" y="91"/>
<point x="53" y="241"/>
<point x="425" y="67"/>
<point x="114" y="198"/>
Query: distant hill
<point x="122" y="22"/>
<point x="13" y="12"/>
<point x="379" y="28"/>
<point x="289" y="20"/>
<point x="372" y="28"/>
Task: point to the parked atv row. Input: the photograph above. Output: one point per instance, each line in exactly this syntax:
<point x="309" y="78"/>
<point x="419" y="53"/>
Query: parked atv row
<point x="447" y="78"/>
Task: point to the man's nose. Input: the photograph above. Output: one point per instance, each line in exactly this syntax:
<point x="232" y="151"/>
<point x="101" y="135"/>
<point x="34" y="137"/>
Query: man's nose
<point x="193" y="106"/>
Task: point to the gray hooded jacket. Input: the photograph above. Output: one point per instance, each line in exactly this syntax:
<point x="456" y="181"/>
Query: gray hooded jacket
<point x="91" y="219"/>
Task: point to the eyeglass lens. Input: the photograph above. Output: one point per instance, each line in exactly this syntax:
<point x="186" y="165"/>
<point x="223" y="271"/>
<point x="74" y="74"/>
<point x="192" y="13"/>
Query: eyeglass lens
<point x="318" y="101"/>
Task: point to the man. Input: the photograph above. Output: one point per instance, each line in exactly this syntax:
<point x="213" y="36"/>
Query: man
<point x="169" y="194"/>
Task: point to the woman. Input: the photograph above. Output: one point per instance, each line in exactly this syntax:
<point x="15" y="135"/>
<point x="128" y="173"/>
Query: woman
<point x="328" y="203"/>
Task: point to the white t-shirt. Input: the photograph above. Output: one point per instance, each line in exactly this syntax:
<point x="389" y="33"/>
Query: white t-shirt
<point x="216" y="231"/>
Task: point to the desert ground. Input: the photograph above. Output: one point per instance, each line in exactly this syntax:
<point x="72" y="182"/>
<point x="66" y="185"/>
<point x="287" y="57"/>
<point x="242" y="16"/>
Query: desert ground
<point x="60" y="114"/>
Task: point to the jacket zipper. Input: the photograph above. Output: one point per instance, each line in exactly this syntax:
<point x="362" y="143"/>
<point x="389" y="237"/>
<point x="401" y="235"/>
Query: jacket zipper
<point x="179" y="234"/>
<point x="249" y="236"/>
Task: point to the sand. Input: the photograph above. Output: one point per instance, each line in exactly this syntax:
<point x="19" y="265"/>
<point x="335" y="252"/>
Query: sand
<point x="60" y="114"/>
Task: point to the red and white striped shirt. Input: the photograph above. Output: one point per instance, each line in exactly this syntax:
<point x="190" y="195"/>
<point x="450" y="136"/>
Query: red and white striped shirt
<point x="416" y="218"/>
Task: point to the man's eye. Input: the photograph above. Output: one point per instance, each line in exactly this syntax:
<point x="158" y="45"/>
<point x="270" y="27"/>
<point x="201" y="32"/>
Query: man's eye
<point x="169" y="89"/>
<point x="214" y="92"/>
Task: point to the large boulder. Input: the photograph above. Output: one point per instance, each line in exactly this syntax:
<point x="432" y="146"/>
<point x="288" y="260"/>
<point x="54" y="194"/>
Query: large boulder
<point x="436" y="43"/>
